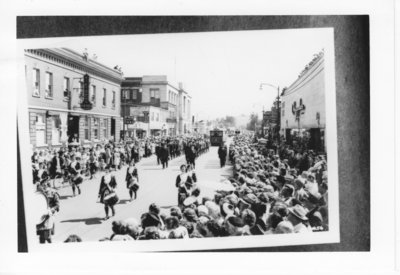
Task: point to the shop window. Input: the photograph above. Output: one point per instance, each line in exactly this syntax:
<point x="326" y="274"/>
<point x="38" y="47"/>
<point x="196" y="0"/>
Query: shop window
<point x="96" y="126"/>
<point x="36" y="82"/>
<point x="55" y="130"/>
<point x="86" y="128"/>
<point x="105" y="125"/>
<point x="66" y="87"/>
<point x="40" y="128"/>
<point x="49" y="85"/>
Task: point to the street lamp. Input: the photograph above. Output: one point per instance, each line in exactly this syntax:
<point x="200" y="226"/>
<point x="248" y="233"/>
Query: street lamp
<point x="278" y="124"/>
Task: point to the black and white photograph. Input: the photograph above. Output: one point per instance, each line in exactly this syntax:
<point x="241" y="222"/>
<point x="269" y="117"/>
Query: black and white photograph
<point x="206" y="136"/>
<point x="203" y="137"/>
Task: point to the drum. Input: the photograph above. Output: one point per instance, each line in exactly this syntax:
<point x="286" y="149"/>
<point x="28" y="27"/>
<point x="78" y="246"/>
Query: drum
<point x="40" y="207"/>
<point x="111" y="199"/>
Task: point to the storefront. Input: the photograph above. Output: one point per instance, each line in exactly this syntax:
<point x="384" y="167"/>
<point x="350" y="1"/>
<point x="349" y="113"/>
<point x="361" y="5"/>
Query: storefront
<point x="59" y="82"/>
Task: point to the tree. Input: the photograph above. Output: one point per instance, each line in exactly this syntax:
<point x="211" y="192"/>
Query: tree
<point x="251" y="126"/>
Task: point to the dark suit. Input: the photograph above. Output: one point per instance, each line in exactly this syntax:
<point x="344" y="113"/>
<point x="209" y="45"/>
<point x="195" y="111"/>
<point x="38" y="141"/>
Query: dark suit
<point x="164" y="156"/>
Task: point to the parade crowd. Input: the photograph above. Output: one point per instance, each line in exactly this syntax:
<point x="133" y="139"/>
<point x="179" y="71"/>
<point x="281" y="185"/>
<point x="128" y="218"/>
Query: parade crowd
<point x="74" y="164"/>
<point x="271" y="191"/>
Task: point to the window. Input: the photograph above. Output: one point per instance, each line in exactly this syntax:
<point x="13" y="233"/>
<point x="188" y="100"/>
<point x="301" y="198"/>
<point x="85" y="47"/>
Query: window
<point x="134" y="94"/>
<point x="158" y="117"/>
<point x="40" y="128"/>
<point x="155" y="96"/>
<point x="96" y="128"/>
<point x="104" y="97"/>
<point x="36" y="82"/>
<point x="86" y="128"/>
<point x="66" y="87"/>
<point x="80" y="92"/>
<point x="105" y="128"/>
<point x="113" y="99"/>
<point x="92" y="94"/>
<point x="49" y="85"/>
<point x="152" y="116"/>
<point x="184" y="104"/>
<point x="283" y="112"/>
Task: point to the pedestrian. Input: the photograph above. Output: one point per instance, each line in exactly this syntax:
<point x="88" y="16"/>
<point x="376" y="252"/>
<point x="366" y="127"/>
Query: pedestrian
<point x="180" y="183"/>
<point x="222" y="155"/>
<point x="164" y="156"/>
<point x="107" y="194"/>
<point x="132" y="180"/>
<point x="191" y="157"/>
<point x="75" y="177"/>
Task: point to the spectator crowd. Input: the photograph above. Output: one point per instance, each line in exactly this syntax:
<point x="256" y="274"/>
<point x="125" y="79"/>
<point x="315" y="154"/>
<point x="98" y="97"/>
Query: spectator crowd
<point x="269" y="192"/>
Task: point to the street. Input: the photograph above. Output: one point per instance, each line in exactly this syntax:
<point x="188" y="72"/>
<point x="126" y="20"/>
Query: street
<point x="81" y="215"/>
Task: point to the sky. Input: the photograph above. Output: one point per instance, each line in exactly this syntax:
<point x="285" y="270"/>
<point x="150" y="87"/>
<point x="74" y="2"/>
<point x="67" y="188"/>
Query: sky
<point x="222" y="71"/>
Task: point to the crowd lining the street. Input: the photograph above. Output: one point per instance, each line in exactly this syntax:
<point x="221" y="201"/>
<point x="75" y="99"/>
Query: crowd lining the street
<point x="74" y="164"/>
<point x="273" y="193"/>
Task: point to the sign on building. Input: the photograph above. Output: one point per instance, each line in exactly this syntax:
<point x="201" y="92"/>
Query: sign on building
<point x="86" y="104"/>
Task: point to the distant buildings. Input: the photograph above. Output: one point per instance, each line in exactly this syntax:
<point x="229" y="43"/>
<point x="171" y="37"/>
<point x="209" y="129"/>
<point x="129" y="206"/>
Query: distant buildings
<point x="155" y="106"/>
<point x="71" y="97"/>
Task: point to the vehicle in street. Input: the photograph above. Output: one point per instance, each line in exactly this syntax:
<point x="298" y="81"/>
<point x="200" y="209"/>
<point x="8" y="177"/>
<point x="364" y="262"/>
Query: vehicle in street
<point x="217" y="137"/>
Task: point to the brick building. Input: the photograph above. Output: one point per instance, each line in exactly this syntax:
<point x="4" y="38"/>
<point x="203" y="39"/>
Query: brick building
<point x="55" y="90"/>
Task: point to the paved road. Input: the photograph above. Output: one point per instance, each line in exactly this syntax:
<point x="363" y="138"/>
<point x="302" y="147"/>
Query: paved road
<point x="81" y="215"/>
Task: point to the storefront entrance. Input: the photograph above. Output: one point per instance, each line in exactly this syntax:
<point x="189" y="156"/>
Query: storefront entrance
<point x="73" y="127"/>
<point x="113" y="128"/>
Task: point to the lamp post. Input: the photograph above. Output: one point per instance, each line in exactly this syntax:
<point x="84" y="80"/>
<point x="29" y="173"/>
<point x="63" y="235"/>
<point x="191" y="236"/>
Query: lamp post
<point x="278" y="123"/>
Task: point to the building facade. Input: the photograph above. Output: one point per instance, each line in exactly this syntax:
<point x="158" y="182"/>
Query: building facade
<point x="56" y="89"/>
<point x="303" y="105"/>
<point x="155" y="105"/>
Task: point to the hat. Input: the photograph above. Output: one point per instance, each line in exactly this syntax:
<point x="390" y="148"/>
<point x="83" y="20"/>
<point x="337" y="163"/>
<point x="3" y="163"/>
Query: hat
<point x="150" y="219"/>
<point x="213" y="209"/>
<point x="189" y="201"/>
<point x="250" y="198"/>
<point x="263" y="197"/>
<point x="122" y="238"/>
<point x="236" y="221"/>
<point x="190" y="214"/>
<point x="233" y="199"/>
<point x="269" y="188"/>
<point x="284" y="227"/>
<point x="202" y="210"/>
<point x="176" y="212"/>
<point x="154" y="208"/>
<point x="299" y="211"/>
<point x="227" y="209"/>
<point x="132" y="226"/>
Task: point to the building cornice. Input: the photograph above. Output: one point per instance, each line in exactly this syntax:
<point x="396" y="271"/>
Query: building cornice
<point x="71" y="59"/>
<point x="312" y="71"/>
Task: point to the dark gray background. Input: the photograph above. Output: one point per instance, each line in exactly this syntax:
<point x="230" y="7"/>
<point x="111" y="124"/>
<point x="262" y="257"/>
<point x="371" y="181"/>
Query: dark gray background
<point x="352" y="96"/>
